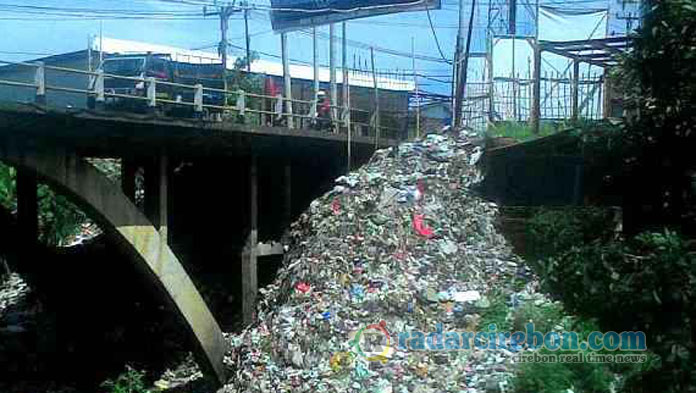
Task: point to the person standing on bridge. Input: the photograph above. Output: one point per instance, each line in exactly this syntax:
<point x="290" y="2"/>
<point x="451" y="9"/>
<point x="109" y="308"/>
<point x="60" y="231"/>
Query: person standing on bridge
<point x="274" y="104"/>
<point x="323" y="121"/>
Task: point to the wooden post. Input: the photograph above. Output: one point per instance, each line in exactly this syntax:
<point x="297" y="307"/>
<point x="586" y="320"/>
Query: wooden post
<point x="27" y="206"/>
<point x="376" y="91"/>
<point x="575" y="95"/>
<point x="287" y="79"/>
<point x="536" y="91"/>
<point x="332" y="68"/>
<point x="606" y="103"/>
<point x="491" y="85"/>
<point x="249" y="255"/>
<point x="513" y="74"/>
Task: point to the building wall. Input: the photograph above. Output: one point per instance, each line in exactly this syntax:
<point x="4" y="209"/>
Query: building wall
<point x="58" y="99"/>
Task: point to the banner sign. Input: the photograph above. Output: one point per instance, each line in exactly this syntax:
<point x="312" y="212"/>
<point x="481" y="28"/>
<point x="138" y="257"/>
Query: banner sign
<point x="290" y="15"/>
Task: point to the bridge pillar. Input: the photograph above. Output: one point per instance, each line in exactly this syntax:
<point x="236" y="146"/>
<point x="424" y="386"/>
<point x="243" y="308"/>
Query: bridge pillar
<point x="109" y="208"/>
<point x="27" y="205"/>
<point x="128" y="170"/>
<point x="250" y="253"/>
<point x="156" y="188"/>
<point x="163" y="213"/>
<point x="287" y="196"/>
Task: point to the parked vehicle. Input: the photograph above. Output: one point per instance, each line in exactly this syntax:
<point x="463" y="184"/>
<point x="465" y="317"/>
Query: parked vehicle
<point x="162" y="68"/>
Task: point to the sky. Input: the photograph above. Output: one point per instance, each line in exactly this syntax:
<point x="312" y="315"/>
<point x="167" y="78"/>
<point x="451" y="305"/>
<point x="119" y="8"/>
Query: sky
<point x="34" y="28"/>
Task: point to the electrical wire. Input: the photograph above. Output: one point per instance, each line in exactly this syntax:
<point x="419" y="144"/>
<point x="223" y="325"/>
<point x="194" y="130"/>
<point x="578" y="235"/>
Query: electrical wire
<point x="437" y="42"/>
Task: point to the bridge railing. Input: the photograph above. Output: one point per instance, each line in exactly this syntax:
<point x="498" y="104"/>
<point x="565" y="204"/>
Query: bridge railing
<point x="206" y="102"/>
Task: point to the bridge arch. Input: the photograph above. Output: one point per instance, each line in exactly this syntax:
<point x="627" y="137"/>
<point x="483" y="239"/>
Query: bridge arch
<point x="104" y="202"/>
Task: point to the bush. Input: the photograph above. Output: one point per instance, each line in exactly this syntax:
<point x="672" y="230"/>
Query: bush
<point x="641" y="284"/>
<point x="129" y="381"/>
<point x="558" y="377"/>
<point x="552" y="231"/>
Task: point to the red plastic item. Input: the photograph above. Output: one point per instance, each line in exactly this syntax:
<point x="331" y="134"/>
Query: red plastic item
<point x="336" y="206"/>
<point x="302" y="286"/>
<point x="421" y="186"/>
<point x="421" y="228"/>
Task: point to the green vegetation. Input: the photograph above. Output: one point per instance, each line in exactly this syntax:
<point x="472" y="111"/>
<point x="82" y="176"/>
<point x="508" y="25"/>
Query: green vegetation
<point x="658" y="79"/>
<point x="130" y="381"/>
<point x="238" y="78"/>
<point x="520" y="131"/>
<point x="497" y="312"/>
<point x="558" y="377"/>
<point x="643" y="280"/>
<point x="643" y="283"/>
<point x="59" y="219"/>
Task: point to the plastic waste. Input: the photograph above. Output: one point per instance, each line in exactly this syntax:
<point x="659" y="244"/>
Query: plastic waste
<point x="403" y="240"/>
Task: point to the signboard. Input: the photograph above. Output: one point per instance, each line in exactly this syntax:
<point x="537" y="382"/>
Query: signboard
<point x="297" y="14"/>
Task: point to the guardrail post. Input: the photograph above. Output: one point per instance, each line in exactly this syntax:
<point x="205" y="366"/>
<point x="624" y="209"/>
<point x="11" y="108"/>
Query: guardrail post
<point x="99" y="87"/>
<point x="40" y="82"/>
<point x="198" y="98"/>
<point x="151" y="92"/>
<point x="241" y="102"/>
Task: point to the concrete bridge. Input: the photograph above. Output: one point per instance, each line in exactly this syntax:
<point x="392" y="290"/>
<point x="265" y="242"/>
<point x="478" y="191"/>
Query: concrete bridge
<point x="204" y="183"/>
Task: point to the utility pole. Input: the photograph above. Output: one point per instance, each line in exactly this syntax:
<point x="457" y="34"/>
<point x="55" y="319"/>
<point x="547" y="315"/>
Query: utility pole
<point x="461" y="78"/>
<point x="101" y="45"/>
<point x="224" y="13"/>
<point x="332" y="67"/>
<point x="512" y="30"/>
<point x="376" y="92"/>
<point x="246" y="36"/>
<point x="415" y="81"/>
<point x="315" y="68"/>
<point x="457" y="61"/>
<point x="346" y="92"/>
<point x="287" y="79"/>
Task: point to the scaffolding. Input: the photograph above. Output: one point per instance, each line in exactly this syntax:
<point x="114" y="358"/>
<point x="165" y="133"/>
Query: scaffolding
<point x="533" y="90"/>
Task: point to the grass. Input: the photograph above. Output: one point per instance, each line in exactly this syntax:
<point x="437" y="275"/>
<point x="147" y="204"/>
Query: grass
<point x="519" y="131"/>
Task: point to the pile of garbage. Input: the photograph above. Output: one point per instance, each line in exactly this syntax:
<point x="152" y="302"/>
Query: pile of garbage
<point x="402" y="244"/>
<point x="13" y="290"/>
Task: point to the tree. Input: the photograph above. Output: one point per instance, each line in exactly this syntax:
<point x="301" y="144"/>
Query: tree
<point x="658" y="76"/>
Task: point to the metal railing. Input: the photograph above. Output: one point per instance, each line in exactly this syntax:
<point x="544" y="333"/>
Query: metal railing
<point x="280" y="113"/>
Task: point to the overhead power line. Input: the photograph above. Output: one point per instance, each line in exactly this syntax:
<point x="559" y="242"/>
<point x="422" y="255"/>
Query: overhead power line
<point x="437" y="42"/>
<point x="97" y="10"/>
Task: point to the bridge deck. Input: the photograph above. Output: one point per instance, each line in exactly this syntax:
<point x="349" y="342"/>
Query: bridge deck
<point x="105" y="133"/>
